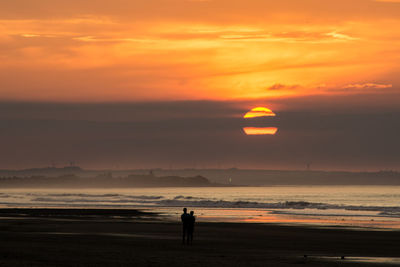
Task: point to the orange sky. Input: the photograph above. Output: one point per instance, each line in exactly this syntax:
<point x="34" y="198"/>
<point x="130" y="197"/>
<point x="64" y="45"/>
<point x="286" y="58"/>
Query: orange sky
<point x="196" y="49"/>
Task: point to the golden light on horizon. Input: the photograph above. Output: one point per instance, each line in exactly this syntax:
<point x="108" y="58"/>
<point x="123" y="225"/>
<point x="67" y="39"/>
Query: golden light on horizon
<point x="259" y="112"/>
<point x="260" y="130"/>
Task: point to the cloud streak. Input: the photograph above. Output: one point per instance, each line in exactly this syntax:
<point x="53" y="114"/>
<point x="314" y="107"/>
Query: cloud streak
<point x="368" y="86"/>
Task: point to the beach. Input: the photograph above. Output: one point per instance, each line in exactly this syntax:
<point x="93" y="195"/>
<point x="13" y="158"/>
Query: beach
<point x="59" y="237"/>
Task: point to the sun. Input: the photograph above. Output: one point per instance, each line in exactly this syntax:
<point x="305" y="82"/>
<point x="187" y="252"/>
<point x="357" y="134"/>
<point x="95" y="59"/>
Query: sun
<point x="260" y="112"/>
<point x="260" y="130"/>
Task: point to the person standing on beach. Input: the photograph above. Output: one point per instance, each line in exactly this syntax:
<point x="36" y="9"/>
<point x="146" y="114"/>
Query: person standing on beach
<point x="185" y="218"/>
<point x="192" y="220"/>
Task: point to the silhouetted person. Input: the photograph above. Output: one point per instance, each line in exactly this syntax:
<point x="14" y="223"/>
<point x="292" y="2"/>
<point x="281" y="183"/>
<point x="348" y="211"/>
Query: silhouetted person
<point x="192" y="220"/>
<point x="185" y="218"/>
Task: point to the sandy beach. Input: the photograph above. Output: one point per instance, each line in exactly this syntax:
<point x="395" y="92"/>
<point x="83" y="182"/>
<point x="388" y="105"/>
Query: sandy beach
<point x="56" y="237"/>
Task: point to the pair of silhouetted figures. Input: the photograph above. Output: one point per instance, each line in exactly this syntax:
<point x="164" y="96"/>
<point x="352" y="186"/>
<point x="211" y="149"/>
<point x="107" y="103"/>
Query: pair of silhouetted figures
<point x="188" y="221"/>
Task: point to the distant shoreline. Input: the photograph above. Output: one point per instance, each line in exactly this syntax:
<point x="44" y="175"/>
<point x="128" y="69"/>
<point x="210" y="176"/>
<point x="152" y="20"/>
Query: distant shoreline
<point x="205" y="177"/>
<point x="106" y="181"/>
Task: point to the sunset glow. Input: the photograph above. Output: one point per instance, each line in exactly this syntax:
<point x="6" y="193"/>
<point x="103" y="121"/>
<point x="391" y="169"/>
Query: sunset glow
<point x="182" y="49"/>
<point x="260" y="130"/>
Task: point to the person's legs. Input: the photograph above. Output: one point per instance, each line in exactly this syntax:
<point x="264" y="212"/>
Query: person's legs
<point x="189" y="236"/>
<point x="184" y="234"/>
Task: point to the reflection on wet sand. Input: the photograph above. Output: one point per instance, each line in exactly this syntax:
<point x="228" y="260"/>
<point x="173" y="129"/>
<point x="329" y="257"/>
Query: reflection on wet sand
<point x="274" y="216"/>
<point x="376" y="260"/>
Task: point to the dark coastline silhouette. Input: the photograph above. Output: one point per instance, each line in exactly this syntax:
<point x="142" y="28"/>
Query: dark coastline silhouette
<point x="105" y="180"/>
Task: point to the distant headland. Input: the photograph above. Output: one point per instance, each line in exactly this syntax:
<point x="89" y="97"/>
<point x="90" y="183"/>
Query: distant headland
<point x="69" y="177"/>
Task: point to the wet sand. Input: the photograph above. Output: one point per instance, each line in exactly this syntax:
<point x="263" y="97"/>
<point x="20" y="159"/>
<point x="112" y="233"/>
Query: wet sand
<point x="55" y="237"/>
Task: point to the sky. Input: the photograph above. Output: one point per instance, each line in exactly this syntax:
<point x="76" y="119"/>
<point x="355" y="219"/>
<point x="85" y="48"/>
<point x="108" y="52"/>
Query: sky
<point x="166" y="83"/>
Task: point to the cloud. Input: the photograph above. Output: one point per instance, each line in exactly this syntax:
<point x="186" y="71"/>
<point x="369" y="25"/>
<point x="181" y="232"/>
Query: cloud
<point x="341" y="36"/>
<point x="28" y="35"/>
<point x="388" y="1"/>
<point x="233" y="10"/>
<point x="367" y="86"/>
<point x="279" y="86"/>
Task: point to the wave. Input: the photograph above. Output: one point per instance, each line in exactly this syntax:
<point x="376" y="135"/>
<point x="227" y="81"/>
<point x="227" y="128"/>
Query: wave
<point x="392" y="211"/>
<point x="188" y="197"/>
<point x="107" y="200"/>
<point x="86" y="200"/>
<point x="105" y="196"/>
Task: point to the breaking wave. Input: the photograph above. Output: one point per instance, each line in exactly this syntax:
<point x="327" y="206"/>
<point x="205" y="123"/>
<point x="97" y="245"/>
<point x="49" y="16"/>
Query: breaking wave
<point x="389" y="211"/>
<point x="109" y="200"/>
<point x="380" y="203"/>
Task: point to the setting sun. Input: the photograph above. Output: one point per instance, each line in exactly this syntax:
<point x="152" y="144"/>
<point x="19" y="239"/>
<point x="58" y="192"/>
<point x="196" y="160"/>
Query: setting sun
<point x="256" y="113"/>
<point x="260" y="130"/>
<point x="259" y="112"/>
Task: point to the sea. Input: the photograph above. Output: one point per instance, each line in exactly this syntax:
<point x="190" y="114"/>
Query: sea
<point x="359" y="207"/>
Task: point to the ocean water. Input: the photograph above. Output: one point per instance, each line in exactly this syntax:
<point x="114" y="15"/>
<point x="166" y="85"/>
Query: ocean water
<point x="349" y="206"/>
